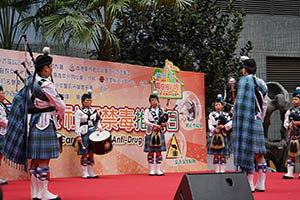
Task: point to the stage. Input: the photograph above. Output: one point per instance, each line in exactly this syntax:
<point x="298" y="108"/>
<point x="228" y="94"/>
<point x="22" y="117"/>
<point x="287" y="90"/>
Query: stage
<point x="139" y="186"/>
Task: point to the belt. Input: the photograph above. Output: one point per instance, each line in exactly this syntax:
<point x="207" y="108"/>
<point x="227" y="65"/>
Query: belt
<point x="37" y="110"/>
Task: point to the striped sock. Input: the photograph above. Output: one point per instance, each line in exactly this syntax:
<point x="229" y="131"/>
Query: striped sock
<point x="84" y="161"/>
<point x="291" y="163"/>
<point x="158" y="159"/>
<point x="222" y="161"/>
<point x="262" y="166"/>
<point x="90" y="161"/>
<point x="42" y="172"/>
<point x="150" y="159"/>
<point x="216" y="160"/>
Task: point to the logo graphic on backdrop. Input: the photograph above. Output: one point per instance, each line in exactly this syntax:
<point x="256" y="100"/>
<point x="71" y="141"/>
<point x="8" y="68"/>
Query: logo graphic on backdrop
<point x="166" y="82"/>
<point x="173" y="150"/>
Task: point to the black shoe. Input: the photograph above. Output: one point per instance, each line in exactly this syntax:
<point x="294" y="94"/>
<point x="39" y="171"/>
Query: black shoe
<point x="93" y="176"/>
<point x="259" y="190"/>
<point x="57" y="198"/>
<point x="159" y="174"/>
<point x="3" y="183"/>
<point x="287" y="177"/>
<point x="151" y="174"/>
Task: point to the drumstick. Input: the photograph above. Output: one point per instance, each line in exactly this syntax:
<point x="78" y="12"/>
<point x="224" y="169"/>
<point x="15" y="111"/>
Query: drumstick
<point x="231" y="82"/>
<point x="82" y="145"/>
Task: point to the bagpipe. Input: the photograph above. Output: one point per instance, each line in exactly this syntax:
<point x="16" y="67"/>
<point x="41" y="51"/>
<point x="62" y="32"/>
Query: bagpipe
<point x="294" y="134"/>
<point x="155" y="137"/>
<point x="29" y="74"/>
<point x="217" y="140"/>
<point x="7" y="101"/>
<point x="28" y="83"/>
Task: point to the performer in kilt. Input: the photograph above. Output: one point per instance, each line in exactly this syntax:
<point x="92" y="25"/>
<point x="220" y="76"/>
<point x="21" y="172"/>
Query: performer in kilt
<point x="44" y="106"/>
<point x="4" y="112"/>
<point x="154" y="139"/>
<point x="247" y="124"/>
<point x="42" y="141"/>
<point x="87" y="121"/>
<point x="292" y="123"/>
<point x="219" y="122"/>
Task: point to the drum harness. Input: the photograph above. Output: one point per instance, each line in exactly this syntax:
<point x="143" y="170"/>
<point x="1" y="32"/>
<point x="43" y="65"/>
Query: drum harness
<point x="91" y="124"/>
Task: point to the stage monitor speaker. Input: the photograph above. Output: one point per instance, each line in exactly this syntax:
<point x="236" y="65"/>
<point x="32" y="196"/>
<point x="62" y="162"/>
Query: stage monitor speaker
<point x="211" y="186"/>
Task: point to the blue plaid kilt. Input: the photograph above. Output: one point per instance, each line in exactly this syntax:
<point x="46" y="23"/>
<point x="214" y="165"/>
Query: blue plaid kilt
<point x="224" y="151"/>
<point x="259" y="138"/>
<point x="85" y="141"/>
<point x="254" y="143"/>
<point x="42" y="144"/>
<point x="147" y="147"/>
<point x="2" y="137"/>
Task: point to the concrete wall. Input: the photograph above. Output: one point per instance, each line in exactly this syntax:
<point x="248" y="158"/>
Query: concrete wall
<point x="271" y="36"/>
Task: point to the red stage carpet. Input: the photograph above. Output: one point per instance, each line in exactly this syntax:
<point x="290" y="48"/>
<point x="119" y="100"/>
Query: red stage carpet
<point x="141" y="186"/>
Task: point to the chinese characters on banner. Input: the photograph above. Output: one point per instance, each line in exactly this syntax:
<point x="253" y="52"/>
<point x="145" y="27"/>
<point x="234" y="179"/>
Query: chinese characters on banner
<point x="127" y="119"/>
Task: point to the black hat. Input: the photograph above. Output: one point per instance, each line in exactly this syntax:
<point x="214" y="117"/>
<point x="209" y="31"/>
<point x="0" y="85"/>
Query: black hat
<point x="297" y="93"/>
<point x="1" y="88"/>
<point x="43" y="60"/>
<point x="87" y="95"/>
<point x="249" y="63"/>
<point x="153" y="96"/>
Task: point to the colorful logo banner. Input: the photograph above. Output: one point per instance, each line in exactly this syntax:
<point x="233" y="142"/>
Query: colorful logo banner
<point x="166" y="82"/>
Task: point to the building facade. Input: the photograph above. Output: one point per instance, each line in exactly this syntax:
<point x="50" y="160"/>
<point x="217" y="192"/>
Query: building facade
<point x="273" y="27"/>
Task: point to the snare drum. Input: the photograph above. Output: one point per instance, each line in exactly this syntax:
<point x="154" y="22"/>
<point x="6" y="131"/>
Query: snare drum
<point x="59" y="141"/>
<point x="100" y="142"/>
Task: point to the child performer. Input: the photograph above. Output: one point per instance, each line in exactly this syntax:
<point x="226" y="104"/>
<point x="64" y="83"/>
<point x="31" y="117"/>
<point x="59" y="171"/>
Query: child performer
<point x="153" y="119"/>
<point x="4" y="112"/>
<point x="292" y="123"/>
<point x="219" y="122"/>
<point x="87" y="121"/>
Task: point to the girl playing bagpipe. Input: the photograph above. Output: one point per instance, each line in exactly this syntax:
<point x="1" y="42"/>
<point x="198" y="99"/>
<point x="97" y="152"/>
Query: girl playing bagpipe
<point x="40" y="104"/>
<point x="292" y="124"/>
<point x="155" y="119"/>
<point x="219" y="145"/>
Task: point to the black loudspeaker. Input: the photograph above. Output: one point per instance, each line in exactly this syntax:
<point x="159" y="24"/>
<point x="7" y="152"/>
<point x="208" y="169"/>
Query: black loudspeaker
<point x="1" y="194"/>
<point x="210" y="186"/>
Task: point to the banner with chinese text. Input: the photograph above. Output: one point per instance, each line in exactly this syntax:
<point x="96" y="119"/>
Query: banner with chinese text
<point x="121" y="100"/>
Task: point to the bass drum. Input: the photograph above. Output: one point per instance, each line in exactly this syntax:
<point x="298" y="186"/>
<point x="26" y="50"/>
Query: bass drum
<point x="100" y="142"/>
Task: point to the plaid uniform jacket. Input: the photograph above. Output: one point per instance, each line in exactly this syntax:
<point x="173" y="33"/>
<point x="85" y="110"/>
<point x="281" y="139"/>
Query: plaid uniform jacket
<point x="16" y="132"/>
<point x="248" y="135"/>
